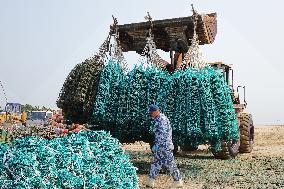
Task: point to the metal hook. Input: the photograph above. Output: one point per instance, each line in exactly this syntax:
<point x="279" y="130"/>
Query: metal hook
<point x="113" y="27"/>
<point x="115" y="22"/>
<point x="113" y="32"/>
<point x="194" y="16"/>
<point x="150" y="20"/>
<point x="193" y="10"/>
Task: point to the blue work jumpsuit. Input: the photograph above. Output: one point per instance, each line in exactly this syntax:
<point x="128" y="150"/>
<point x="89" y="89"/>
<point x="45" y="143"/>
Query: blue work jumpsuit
<point x="164" y="155"/>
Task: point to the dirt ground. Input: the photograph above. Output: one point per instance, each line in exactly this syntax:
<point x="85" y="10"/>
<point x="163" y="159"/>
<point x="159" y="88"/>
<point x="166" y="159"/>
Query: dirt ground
<point x="263" y="168"/>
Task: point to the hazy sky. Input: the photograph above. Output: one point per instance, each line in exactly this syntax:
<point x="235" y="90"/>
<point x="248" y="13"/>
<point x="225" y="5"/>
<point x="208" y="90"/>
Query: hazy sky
<point x="41" y="41"/>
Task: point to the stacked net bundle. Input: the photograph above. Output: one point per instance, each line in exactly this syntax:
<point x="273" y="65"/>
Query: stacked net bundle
<point x="83" y="160"/>
<point x="196" y="101"/>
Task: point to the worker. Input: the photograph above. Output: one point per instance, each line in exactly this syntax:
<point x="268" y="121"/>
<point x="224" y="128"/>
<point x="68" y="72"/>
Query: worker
<point x="163" y="149"/>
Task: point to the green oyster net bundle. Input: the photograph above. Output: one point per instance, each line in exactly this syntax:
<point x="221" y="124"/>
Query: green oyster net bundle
<point x="83" y="160"/>
<point x="122" y="101"/>
<point x="197" y="102"/>
<point x="78" y="93"/>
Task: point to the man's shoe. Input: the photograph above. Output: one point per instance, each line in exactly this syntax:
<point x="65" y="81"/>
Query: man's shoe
<point x="177" y="184"/>
<point x="150" y="183"/>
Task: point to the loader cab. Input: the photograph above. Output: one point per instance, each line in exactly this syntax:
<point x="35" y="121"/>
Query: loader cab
<point x="227" y="71"/>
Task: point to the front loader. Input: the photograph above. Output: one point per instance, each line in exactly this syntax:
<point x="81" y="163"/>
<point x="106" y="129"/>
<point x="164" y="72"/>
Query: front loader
<point x="175" y="36"/>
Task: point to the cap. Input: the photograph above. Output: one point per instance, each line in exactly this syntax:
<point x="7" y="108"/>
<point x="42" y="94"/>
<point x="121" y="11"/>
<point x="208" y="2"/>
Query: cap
<point x="153" y="108"/>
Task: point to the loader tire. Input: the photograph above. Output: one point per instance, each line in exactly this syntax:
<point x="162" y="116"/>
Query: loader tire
<point x="229" y="150"/>
<point x="246" y="133"/>
<point x="189" y="148"/>
<point x="175" y="151"/>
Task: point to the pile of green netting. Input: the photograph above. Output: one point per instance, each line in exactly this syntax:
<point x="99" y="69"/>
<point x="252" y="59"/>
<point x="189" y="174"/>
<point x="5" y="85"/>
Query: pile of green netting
<point x="83" y="160"/>
<point x="4" y="177"/>
<point x="197" y="102"/>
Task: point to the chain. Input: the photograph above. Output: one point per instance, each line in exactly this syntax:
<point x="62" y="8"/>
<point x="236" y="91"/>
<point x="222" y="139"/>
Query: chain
<point x="150" y="20"/>
<point x="115" y="49"/>
<point x="149" y="54"/>
<point x="194" y="57"/>
<point x="5" y="96"/>
<point x="110" y="48"/>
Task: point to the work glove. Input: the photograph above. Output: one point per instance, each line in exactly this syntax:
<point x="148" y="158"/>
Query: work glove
<point x="155" y="148"/>
<point x="171" y="147"/>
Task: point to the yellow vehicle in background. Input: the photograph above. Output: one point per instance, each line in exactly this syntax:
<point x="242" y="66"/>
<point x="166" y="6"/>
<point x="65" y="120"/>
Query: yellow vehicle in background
<point x="13" y="114"/>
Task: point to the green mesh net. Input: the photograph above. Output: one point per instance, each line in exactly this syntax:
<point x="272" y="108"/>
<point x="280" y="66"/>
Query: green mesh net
<point x="197" y="102"/>
<point x="83" y="160"/>
<point x="77" y="95"/>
